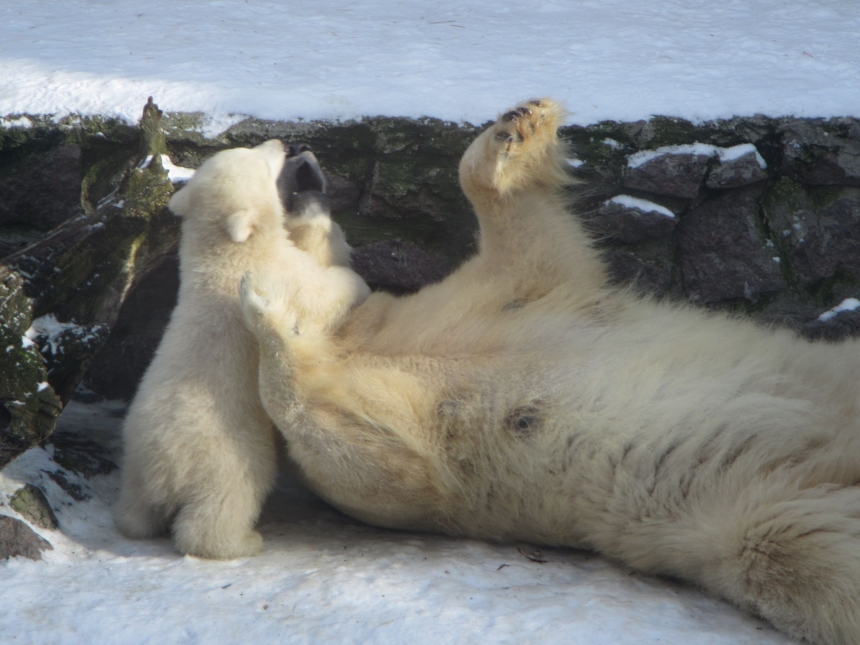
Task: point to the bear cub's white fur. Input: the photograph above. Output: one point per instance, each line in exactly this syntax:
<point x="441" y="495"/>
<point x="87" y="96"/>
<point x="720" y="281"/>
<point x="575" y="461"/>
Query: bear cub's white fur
<point x="200" y="452"/>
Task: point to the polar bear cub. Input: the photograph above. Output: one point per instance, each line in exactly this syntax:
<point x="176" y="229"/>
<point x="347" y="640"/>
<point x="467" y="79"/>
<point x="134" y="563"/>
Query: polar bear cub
<point x="200" y="453"/>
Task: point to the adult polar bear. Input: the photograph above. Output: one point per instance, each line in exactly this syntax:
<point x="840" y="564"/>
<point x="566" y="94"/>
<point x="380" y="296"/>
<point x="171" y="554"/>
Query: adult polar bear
<point x="523" y="398"/>
<point x="200" y="452"/>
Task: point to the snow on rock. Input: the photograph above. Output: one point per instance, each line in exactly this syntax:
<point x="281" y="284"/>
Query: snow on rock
<point x="176" y="174"/>
<point x="48" y="331"/>
<point x="678" y="171"/>
<point x="725" y="155"/>
<point x="849" y="304"/>
<point x="21" y="122"/>
<point x="642" y="205"/>
<point x="643" y="157"/>
<point x="213" y="125"/>
<point x="736" y="152"/>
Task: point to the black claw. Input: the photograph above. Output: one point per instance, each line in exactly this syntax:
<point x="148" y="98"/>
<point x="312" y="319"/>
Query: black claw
<point x="504" y="137"/>
<point x="536" y="103"/>
<point x="513" y="115"/>
<point x="524" y="111"/>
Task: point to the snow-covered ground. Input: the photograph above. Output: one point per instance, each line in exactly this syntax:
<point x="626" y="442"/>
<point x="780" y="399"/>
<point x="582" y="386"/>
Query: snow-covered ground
<point x="327" y="579"/>
<point x="320" y="59"/>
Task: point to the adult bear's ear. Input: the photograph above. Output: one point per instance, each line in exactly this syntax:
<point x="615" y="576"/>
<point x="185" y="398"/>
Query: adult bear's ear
<point x="240" y="225"/>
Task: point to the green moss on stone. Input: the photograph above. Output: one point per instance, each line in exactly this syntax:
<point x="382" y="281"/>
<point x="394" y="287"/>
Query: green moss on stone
<point x="782" y="198"/>
<point x="102" y="175"/>
<point x="671" y="131"/>
<point x="28" y="407"/>
<point x="81" y="129"/>
<point x="30" y="502"/>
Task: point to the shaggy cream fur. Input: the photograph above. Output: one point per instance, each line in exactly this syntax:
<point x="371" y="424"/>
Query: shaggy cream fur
<point x="200" y="451"/>
<point x="523" y="398"/>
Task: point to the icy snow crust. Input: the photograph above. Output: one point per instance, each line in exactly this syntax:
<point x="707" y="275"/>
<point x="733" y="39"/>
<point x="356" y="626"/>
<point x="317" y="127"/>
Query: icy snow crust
<point x="339" y="59"/>
<point x="327" y="579"/>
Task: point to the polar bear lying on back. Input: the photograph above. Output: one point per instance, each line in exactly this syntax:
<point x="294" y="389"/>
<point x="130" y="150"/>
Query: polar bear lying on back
<point x="200" y="454"/>
<point x="523" y="398"/>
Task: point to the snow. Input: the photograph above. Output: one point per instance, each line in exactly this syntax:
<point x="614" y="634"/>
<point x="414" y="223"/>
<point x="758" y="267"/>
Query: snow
<point x="702" y="149"/>
<point x="22" y="122"/>
<point x="849" y="304"/>
<point x="342" y="59"/>
<point x="736" y="152"/>
<point x="48" y="330"/>
<point x="176" y="174"/>
<point x="642" y="205"/>
<point x="326" y="579"/>
<point x="643" y="157"/>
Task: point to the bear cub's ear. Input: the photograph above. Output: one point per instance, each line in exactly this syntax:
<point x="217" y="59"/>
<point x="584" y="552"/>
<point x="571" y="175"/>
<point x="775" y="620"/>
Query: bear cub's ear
<point x="240" y="225"/>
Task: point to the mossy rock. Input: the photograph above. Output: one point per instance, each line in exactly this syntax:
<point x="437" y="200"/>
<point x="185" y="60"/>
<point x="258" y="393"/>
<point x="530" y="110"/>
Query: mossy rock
<point x="79" y="273"/>
<point x="19" y="540"/>
<point x="28" y="405"/>
<point x="30" y="502"/>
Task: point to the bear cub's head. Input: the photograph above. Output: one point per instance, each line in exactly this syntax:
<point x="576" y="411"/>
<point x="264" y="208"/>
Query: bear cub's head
<point x="236" y="192"/>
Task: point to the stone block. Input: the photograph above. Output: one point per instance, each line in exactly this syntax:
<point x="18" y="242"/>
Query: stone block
<point x="723" y="254"/>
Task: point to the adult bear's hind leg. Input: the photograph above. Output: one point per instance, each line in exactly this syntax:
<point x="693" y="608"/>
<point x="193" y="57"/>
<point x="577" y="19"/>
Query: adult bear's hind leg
<point x="514" y="174"/>
<point x="520" y="150"/>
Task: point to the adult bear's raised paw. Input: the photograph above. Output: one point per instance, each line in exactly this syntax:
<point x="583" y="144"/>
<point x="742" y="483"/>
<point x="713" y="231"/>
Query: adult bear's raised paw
<point x="520" y="149"/>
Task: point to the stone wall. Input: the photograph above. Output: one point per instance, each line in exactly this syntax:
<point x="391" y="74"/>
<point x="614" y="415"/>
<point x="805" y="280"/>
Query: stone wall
<point x="758" y="215"/>
<point x="755" y="215"/>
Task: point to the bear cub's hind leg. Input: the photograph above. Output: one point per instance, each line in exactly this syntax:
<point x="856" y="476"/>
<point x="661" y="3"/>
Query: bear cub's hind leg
<point x="136" y="517"/>
<point x="219" y="525"/>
